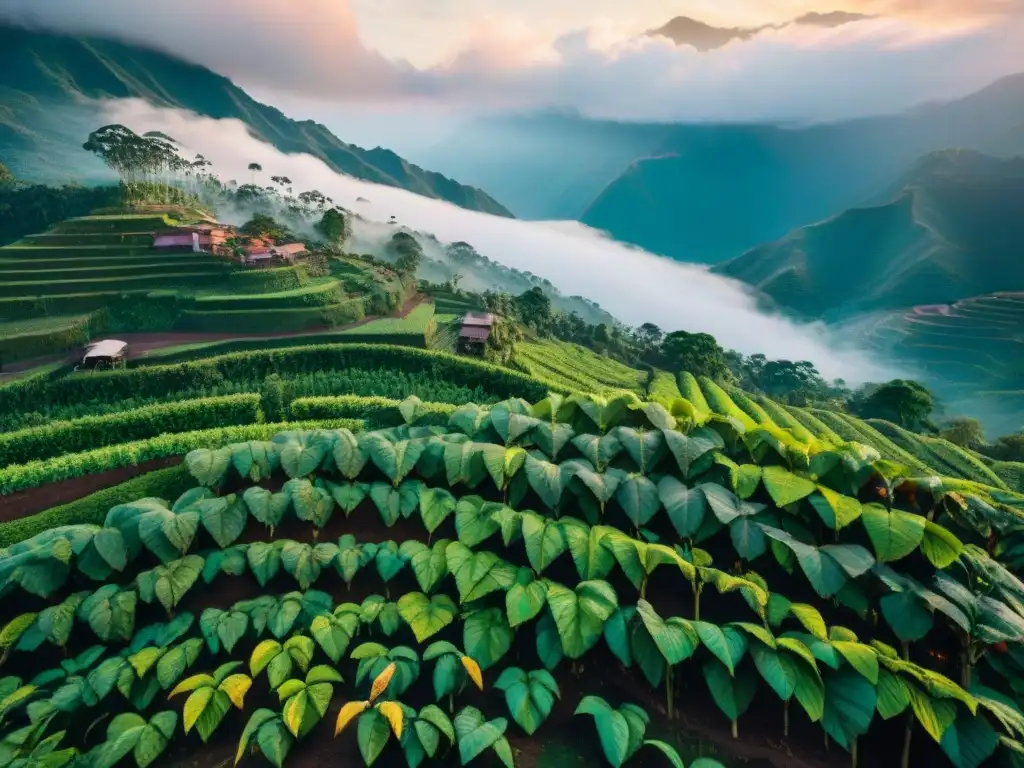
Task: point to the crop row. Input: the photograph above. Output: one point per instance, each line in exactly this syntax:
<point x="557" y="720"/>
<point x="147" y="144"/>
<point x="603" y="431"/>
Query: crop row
<point x="33" y="474"/>
<point x="271" y="320"/>
<point x="157" y="380"/>
<point x="155" y="279"/>
<point x="91" y="432"/>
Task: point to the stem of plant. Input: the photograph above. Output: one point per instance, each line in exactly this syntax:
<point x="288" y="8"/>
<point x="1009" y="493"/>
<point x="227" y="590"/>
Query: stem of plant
<point x="451" y="703"/>
<point x="735" y="729"/>
<point x="908" y="732"/>
<point x="668" y="691"/>
<point x="853" y="754"/>
<point x="785" y="718"/>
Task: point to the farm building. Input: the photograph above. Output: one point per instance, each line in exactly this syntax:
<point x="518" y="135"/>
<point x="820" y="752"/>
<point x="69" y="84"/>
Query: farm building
<point x="289" y="251"/>
<point x="476" y="329"/>
<point x="201" y="237"/>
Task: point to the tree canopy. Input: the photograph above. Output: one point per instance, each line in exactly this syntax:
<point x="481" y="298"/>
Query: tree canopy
<point x="698" y="353"/>
<point x="334" y="226"/>
<point x="903" y="402"/>
<point x="406" y="251"/>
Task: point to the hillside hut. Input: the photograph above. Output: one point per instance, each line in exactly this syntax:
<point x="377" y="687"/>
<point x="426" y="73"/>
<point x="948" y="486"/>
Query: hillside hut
<point x="201" y="238"/>
<point x="476" y="329"/>
<point x="103" y="354"/>
<point x="289" y="251"/>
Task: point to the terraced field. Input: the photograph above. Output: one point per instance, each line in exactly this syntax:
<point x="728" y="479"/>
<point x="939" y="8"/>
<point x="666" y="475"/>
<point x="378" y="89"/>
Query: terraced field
<point x="973" y="349"/>
<point x="410" y="581"/>
<point x="577" y="368"/>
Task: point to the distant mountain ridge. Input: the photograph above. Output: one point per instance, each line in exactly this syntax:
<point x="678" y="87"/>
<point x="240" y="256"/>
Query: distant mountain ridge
<point x="706" y="193"/>
<point x="952" y="230"/>
<point x="683" y="30"/>
<point x="43" y="73"/>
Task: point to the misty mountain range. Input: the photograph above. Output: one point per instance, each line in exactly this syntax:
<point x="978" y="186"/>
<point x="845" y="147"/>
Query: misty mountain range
<point x="43" y="77"/>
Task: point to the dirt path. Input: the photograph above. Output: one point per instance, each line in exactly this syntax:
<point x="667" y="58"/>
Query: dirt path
<point x="32" y="500"/>
<point x="139" y="344"/>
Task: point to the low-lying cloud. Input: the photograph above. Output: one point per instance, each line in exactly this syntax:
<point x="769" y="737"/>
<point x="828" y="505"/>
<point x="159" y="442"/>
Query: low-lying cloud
<point x="314" y="49"/>
<point x="633" y="285"/>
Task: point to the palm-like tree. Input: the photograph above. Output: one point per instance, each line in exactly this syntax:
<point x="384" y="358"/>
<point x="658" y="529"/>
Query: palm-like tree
<point x="255" y="168"/>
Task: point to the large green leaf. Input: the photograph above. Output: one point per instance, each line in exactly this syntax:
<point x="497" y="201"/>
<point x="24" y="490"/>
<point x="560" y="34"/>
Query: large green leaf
<point x="613" y="730"/>
<point x="266" y="730"/>
<point x="548" y="643"/>
<point x="784" y="487"/>
<point x="166" y="534"/>
<point x="310" y="502"/>
<point x="728" y="644"/>
<point x="426" y="615"/>
<point x="302" y="453"/>
<point x="475" y="735"/>
<point x="208" y="466"/>
<point x="264" y="560"/>
<point x="777" y="668"/>
<point x="436" y="504"/>
<point x="893" y="534"/>
<point x="304" y="563"/>
<point x="638" y="498"/>
<point x="970" y="741"/>
<point x="394" y="503"/>
<point x="348" y="454"/>
<point x="224" y="518"/>
<point x="305" y="703"/>
<point x="530" y="696"/>
<point x="223" y="628"/>
<point x="592" y="559"/>
<point x="675" y="637"/>
<point x="850" y="702"/>
<point x="525" y="599"/>
<point x="580" y="614"/>
<point x="474" y="520"/>
<point x="732" y="694"/>
<point x="266" y="507"/>
<point x="545" y="540"/>
<point x="130" y="733"/>
<point x="545" y="479"/>
<point x="333" y="632"/>
<point x="487" y="636"/>
<point x="823" y="572"/>
<point x="941" y="548"/>
<point x="428" y="564"/>
<point x="110" y="612"/>
<point x="690" y="449"/>
<point x="478" y="574"/>
<point x="254" y="460"/>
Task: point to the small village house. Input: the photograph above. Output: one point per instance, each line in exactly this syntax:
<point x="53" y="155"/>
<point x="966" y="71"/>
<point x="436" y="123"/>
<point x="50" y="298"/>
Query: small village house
<point x="475" y="331"/>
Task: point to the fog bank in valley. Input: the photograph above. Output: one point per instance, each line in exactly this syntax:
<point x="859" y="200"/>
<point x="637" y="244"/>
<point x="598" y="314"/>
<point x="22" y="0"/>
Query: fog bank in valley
<point x="632" y="284"/>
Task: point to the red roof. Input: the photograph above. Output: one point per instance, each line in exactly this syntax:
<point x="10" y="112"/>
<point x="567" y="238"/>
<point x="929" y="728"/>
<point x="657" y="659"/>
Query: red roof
<point x="475" y="333"/>
<point x="253" y="249"/>
<point x="291" y="248"/>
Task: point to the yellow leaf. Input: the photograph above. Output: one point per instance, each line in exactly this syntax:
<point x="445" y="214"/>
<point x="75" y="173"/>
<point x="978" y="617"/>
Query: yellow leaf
<point x="235" y="686"/>
<point x="473" y="670"/>
<point x="195" y="705"/>
<point x="348" y="713"/>
<point x="191" y="683"/>
<point x="392" y="712"/>
<point x="381" y="683"/>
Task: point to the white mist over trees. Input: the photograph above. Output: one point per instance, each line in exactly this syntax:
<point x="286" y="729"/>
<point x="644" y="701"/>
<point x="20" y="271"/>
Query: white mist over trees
<point x="633" y="285"/>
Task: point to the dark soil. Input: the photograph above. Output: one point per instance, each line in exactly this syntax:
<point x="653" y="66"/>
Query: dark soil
<point x="32" y="500"/>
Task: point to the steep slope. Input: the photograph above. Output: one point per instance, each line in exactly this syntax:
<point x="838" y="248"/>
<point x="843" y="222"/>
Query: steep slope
<point x="44" y="77"/>
<point x="952" y="230"/>
<point x="706" y="193"/>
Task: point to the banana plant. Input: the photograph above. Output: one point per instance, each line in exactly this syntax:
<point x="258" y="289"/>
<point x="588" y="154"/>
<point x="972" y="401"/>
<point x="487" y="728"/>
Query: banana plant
<point x="377" y="719"/>
<point x="621" y="731"/>
<point x="375" y="658"/>
<point x="305" y="702"/>
<point x="211" y="696"/>
<point x="530" y="696"/>
<point x="278" y="659"/>
<point x="131" y="733"/>
<point x="453" y="669"/>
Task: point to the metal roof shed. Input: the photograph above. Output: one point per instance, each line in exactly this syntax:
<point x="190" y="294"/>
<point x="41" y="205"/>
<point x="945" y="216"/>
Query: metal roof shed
<point x="105" y="348"/>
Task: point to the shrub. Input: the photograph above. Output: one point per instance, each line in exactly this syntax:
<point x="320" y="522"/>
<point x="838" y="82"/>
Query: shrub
<point x="34" y="474"/>
<point x="377" y="412"/>
<point x="276" y="396"/>
<point x="324" y="293"/>
<point x="268" y="280"/>
<point x="96" y="431"/>
<point x="255" y="320"/>
<point x="158" y="380"/>
<point x="58" y="337"/>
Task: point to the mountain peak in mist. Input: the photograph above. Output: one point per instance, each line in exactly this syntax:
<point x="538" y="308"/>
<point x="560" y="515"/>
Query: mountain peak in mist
<point x="683" y="30"/>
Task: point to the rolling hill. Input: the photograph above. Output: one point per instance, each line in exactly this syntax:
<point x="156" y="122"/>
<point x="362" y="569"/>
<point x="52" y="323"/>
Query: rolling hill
<point x="952" y="230"/>
<point x="44" y="78"/>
